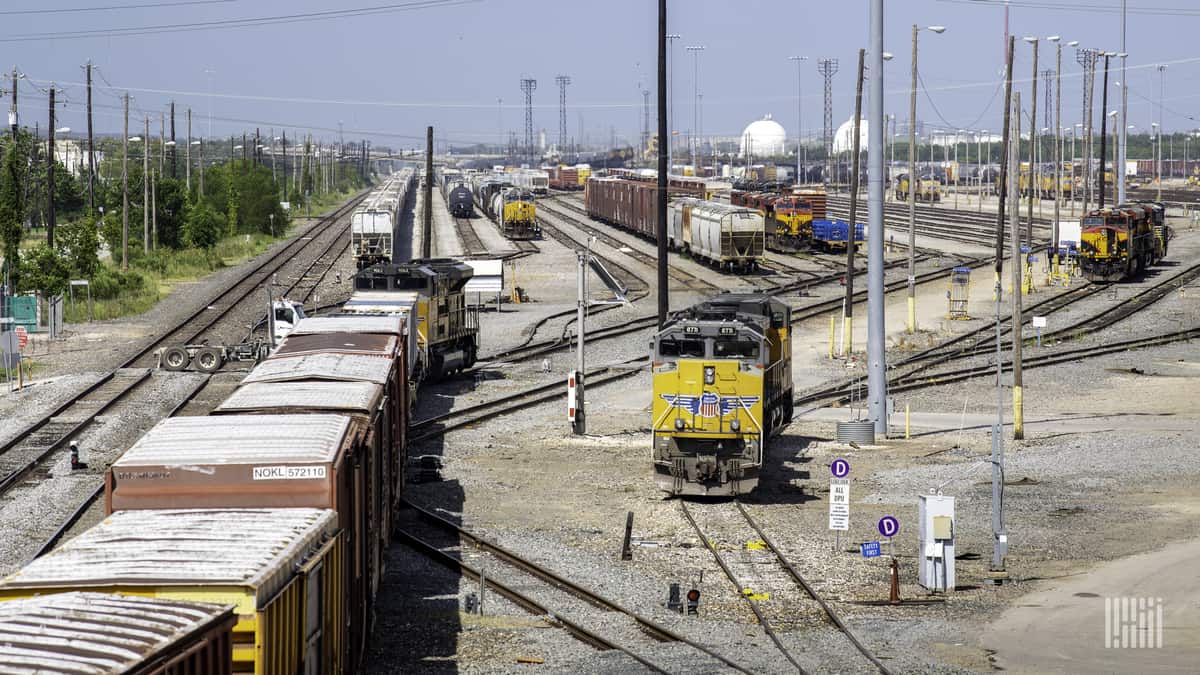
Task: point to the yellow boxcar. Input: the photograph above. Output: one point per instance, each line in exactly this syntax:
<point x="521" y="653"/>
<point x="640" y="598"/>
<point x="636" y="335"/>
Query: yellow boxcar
<point x="279" y="568"/>
<point x="722" y="387"/>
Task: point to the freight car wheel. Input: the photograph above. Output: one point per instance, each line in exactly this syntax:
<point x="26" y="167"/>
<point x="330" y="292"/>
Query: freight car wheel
<point x="175" y="358"/>
<point x="209" y="360"/>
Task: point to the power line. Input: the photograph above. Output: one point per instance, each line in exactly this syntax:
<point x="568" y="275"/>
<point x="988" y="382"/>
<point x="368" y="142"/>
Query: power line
<point x="238" y="23"/>
<point x="1080" y="7"/>
<point x="75" y="10"/>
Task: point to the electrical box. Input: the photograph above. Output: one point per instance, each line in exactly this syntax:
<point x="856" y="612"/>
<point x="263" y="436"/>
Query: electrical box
<point x="935" y="534"/>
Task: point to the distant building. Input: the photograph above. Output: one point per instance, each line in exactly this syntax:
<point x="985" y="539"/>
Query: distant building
<point x="762" y="138"/>
<point x="73" y="155"/>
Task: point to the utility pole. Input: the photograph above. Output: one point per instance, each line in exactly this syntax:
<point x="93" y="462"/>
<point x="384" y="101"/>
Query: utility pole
<point x="828" y="68"/>
<point x="12" y="110"/>
<point x="146" y="188"/>
<point x="1058" y="154"/>
<point x="848" y="305"/>
<point x="1087" y="60"/>
<point x="876" y="333"/>
<point x="1103" y="129"/>
<point x="670" y="128"/>
<point x="1162" y="85"/>
<point x="201" y="146"/>
<point x="913" y="182"/>
<point x="695" y="140"/>
<point x="427" y="211"/>
<point x="50" y="175"/>
<point x="663" y="168"/>
<point x="1018" y="404"/>
<point x="187" y="151"/>
<point x="284" y="198"/>
<point x="1123" y="123"/>
<point x="799" y="110"/>
<point x="174" y="168"/>
<point x="154" y="211"/>
<point x="999" y="536"/>
<point x="162" y="141"/>
<point x="1034" y="187"/>
<point x="90" y="144"/>
<point x="125" y="188"/>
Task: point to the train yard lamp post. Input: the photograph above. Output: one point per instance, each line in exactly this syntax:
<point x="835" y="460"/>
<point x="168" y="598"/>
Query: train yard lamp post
<point x="1058" y="148"/>
<point x="1155" y="146"/>
<point x="799" y="109"/>
<point x="1124" y="112"/>
<point x="694" y="141"/>
<point x="913" y="182"/>
<point x="982" y="163"/>
<point x="671" y="38"/>
<point x="1162" y="85"/>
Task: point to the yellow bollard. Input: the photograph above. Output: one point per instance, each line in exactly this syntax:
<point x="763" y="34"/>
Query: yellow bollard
<point x="1018" y="415"/>
<point x="832" y="327"/>
<point x="907" y="420"/>
<point x="847" y="335"/>
<point x="912" y="315"/>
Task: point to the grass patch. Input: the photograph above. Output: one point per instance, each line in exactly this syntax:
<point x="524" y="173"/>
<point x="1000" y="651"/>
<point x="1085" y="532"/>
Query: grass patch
<point x="151" y="278"/>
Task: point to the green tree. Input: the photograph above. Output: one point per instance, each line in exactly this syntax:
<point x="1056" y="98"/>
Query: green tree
<point x="78" y="244"/>
<point x="43" y="269"/>
<point x="172" y="208"/>
<point x="12" y="208"/>
<point x="203" y="226"/>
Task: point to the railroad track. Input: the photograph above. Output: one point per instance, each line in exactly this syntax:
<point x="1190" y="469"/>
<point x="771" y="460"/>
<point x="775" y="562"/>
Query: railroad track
<point x="769" y="594"/>
<point x="686" y="279"/>
<point x="471" y="243"/>
<point x="774" y="265"/>
<point x="77" y="514"/>
<point x="589" y="616"/>
<point x="39" y="442"/>
<point x="964" y="348"/>
<point x="949" y="225"/>
<point x="191" y="329"/>
<point x="439" y="425"/>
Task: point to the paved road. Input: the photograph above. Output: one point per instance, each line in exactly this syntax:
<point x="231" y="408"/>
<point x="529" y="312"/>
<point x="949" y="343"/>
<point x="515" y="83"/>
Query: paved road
<point x="1061" y="627"/>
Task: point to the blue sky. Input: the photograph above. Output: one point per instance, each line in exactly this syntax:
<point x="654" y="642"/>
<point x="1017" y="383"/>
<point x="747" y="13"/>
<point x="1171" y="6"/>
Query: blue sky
<point x="389" y="74"/>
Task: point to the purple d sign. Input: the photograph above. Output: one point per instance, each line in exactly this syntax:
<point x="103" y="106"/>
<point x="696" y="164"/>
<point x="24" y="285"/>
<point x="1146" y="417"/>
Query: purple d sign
<point x="889" y="526"/>
<point x="840" y="468"/>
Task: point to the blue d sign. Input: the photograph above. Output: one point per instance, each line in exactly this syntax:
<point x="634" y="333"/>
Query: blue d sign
<point x="889" y="526"/>
<point x="840" y="468"/>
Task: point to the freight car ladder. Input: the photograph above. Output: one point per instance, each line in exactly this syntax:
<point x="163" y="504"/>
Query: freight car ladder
<point x="959" y="293"/>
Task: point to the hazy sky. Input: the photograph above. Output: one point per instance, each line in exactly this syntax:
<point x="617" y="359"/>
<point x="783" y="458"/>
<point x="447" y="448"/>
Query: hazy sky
<point x="388" y="74"/>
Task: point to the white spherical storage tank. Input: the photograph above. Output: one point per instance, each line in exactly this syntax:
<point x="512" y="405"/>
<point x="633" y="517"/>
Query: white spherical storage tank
<point x="763" y="138"/>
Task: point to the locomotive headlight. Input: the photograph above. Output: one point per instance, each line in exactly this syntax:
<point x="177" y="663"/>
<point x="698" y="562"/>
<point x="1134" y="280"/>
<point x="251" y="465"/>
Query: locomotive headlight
<point x="735" y="426"/>
<point x="679" y="424"/>
<point x="710" y="374"/>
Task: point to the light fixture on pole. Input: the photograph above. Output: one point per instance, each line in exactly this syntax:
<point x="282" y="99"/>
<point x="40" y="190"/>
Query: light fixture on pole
<point x="695" y="50"/>
<point x="799" y="111"/>
<point x="913" y="181"/>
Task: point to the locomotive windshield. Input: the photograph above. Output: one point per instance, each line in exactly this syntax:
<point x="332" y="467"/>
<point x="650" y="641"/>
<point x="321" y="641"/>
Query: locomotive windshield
<point x="1093" y="220"/>
<point x="732" y="349"/>
<point x="673" y="346"/>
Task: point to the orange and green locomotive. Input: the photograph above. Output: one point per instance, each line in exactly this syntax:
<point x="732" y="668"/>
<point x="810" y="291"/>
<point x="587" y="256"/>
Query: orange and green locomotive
<point x="722" y="388"/>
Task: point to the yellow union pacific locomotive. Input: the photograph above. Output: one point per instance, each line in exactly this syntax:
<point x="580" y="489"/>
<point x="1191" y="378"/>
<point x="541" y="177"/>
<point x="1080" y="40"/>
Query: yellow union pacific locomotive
<point x="722" y="387"/>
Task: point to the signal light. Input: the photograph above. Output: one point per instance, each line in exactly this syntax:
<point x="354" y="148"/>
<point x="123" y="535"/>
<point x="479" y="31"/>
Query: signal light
<point x="693" y="601"/>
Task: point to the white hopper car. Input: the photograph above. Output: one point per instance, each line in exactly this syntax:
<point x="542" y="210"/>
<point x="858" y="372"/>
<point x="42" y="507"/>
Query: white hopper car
<point x="723" y="235"/>
<point x="373" y="223"/>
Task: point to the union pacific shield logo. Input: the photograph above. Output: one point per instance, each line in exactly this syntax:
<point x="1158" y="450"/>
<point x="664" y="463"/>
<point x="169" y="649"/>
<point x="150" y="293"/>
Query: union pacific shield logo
<point x="708" y="404"/>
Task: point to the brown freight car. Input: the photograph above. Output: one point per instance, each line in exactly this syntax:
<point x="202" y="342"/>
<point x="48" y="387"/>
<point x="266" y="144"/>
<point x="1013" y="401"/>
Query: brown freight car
<point x="375" y="336"/>
<point x="628" y="204"/>
<point x="86" y="632"/>
<point x="271" y="461"/>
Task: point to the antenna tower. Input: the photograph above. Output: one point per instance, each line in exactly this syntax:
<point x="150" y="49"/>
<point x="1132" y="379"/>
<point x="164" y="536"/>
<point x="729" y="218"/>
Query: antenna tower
<point x="527" y="86"/>
<point x="562" y="81"/>
<point x="828" y="68"/>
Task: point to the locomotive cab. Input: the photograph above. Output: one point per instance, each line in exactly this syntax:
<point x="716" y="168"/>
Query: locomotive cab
<point x="722" y="387"/>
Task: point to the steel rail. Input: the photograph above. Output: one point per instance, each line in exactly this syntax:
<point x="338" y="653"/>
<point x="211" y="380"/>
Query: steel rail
<point x="649" y="626"/>
<point x="521" y="600"/>
<point x="800" y="580"/>
<point x="762" y="619"/>
<point x="83" y="507"/>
